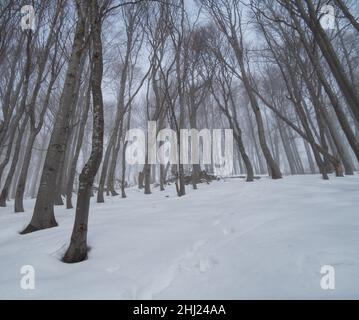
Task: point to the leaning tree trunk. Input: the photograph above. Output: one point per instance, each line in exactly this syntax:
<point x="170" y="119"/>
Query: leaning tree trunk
<point x="237" y="131"/>
<point x="20" y="111"/>
<point x="338" y="108"/>
<point x="43" y="215"/>
<point x="261" y="166"/>
<point x="244" y="155"/>
<point x="272" y="165"/>
<point x="340" y="146"/>
<point x="309" y="15"/>
<point x="341" y="4"/>
<point x="77" y="250"/>
<point x="6" y="103"/>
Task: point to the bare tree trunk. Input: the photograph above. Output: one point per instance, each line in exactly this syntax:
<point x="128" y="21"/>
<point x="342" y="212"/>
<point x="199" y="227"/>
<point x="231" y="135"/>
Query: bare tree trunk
<point x="77" y="250"/>
<point x="237" y="131"/>
<point x="73" y="165"/>
<point x="15" y="158"/>
<point x="123" y="175"/>
<point x="272" y="165"/>
<point x="352" y="139"/>
<point x="39" y="164"/>
<point x="341" y="4"/>
<point x="286" y="147"/>
<point x="297" y="157"/>
<point x="123" y="179"/>
<point x="147" y="176"/>
<point x="196" y="168"/>
<point x="16" y="175"/>
<point x="341" y="148"/>
<point x="43" y="215"/>
<point x="140" y="179"/>
<point x="112" y="169"/>
<point x="309" y="157"/>
<point x="104" y="171"/>
<point x="19" y="197"/>
<point x="348" y="90"/>
<point x="261" y="165"/>
<point x="7" y="104"/>
<point x="296" y="98"/>
<point x="19" y="113"/>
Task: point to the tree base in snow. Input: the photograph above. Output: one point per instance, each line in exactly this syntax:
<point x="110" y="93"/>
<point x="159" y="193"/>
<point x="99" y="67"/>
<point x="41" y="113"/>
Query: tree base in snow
<point x="75" y="254"/>
<point x="31" y="228"/>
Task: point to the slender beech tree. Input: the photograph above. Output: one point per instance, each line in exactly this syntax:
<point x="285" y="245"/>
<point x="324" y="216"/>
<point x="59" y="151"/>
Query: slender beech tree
<point x="43" y="215"/>
<point x="78" y="249"/>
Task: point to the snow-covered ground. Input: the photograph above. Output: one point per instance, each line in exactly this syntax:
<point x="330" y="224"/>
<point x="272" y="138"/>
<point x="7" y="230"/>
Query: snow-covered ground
<point x="227" y="240"/>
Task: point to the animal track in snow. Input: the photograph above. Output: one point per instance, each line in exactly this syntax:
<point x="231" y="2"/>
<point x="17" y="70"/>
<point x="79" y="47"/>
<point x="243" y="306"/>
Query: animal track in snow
<point x="164" y="279"/>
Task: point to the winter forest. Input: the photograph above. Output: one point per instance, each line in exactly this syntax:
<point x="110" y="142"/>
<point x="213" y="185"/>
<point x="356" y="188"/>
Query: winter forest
<point x="79" y="76"/>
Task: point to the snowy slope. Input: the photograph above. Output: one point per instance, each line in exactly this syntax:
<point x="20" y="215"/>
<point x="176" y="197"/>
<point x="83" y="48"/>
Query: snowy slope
<point x="228" y="240"/>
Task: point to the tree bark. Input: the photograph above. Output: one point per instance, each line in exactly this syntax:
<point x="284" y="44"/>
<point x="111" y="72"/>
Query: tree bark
<point x="43" y="214"/>
<point x="72" y="170"/>
<point x="78" y="249"/>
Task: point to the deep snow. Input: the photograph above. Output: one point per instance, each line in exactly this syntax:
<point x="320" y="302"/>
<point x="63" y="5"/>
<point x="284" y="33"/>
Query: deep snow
<point x="227" y="240"/>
